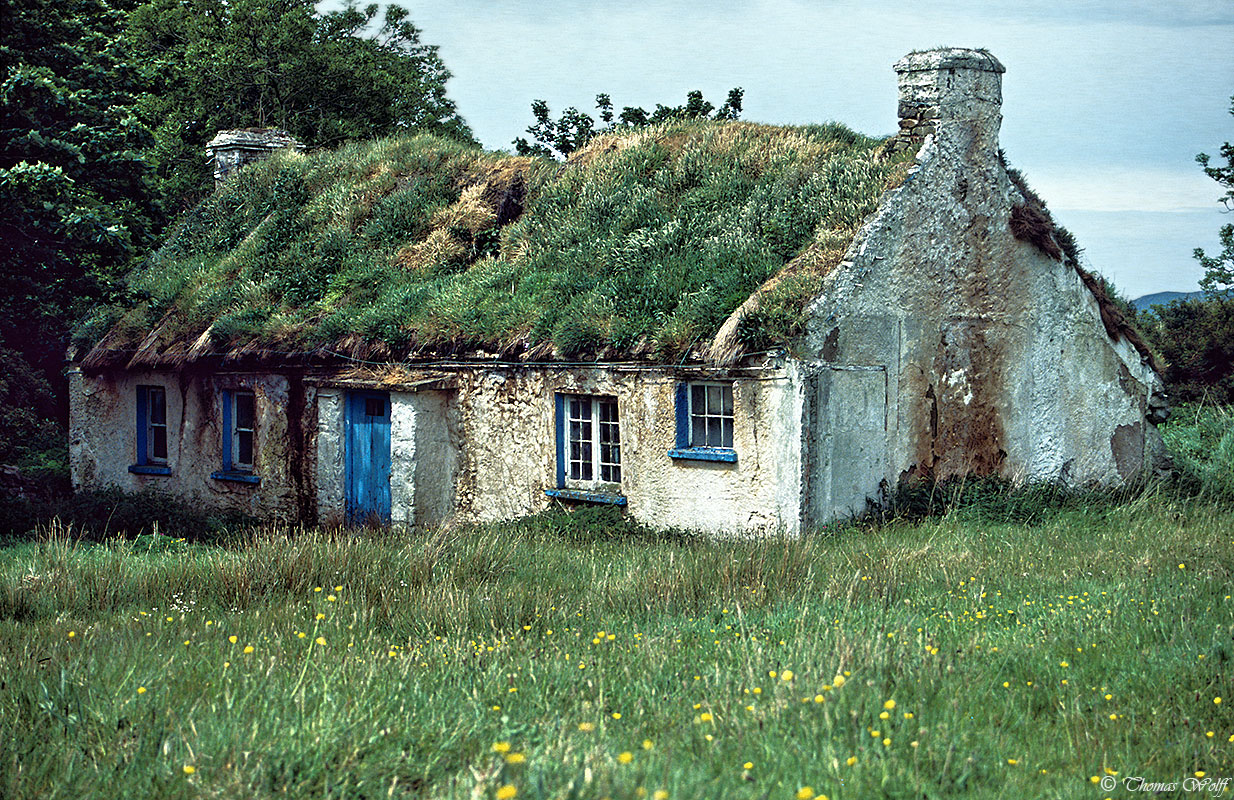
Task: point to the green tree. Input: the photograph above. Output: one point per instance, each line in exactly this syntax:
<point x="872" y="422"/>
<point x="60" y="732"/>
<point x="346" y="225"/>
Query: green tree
<point x="218" y="64"/>
<point x="74" y="192"/>
<point x="574" y="128"/>
<point x="1219" y="269"/>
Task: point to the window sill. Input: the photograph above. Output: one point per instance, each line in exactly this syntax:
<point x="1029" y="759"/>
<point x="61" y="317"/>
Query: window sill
<point x="149" y="469"/>
<point x="586" y="497"/>
<point x="726" y="454"/>
<point x="238" y="477"/>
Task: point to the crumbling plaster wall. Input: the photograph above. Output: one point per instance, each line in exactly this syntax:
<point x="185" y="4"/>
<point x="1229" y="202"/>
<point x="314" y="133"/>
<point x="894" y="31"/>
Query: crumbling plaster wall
<point x="103" y="438"/>
<point x="998" y="358"/>
<point x="508" y="448"/>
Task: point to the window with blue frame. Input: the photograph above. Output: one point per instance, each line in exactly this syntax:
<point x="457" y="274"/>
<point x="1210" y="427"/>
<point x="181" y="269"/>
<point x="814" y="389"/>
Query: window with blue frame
<point x="704" y="422"/>
<point x="151" y="432"/>
<point x="239" y="437"/>
<point x="588" y="449"/>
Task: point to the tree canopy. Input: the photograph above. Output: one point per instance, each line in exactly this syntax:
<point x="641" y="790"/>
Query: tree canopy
<point x="573" y="128"/>
<point x="1219" y="269"/>
<point x="74" y="188"/>
<point x="218" y="64"/>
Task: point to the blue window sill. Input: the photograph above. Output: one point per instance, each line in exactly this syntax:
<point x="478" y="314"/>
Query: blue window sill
<point x="238" y="477"/>
<point x="586" y="497"/>
<point x="149" y="469"/>
<point x="704" y="454"/>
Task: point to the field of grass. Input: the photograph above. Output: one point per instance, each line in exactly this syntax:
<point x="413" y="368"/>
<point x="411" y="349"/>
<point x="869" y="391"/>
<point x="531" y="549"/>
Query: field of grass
<point x="565" y="657"/>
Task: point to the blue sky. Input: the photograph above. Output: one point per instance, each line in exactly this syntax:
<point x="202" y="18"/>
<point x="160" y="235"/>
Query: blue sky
<point x="1105" y="103"/>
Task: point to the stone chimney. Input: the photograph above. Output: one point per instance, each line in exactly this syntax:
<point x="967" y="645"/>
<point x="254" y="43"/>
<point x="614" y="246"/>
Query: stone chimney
<point x="939" y="88"/>
<point x="230" y="150"/>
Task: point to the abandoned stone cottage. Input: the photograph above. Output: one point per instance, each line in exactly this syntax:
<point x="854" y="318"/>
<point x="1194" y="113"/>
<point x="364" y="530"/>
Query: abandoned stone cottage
<point x="930" y="322"/>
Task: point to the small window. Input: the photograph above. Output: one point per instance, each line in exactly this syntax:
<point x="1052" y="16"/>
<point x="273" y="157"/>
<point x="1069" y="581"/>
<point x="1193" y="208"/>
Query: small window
<point x="711" y="415"/>
<point x="151" y="431"/>
<point x="592" y="442"/>
<point x="155" y="424"/>
<point x="242" y="433"/>
<point x="705" y="420"/>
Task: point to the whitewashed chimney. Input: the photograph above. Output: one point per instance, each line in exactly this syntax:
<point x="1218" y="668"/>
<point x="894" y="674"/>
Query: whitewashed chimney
<point x="230" y="150"/>
<point x="950" y="88"/>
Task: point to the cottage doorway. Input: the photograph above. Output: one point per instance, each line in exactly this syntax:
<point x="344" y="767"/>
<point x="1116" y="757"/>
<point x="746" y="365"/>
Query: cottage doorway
<point x="368" y="458"/>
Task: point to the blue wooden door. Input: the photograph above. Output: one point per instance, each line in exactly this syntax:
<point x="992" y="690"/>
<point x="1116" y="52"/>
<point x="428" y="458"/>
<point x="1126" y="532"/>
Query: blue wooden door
<point x="368" y="457"/>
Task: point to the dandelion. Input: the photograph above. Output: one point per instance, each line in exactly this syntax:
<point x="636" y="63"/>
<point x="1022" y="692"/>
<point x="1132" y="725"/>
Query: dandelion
<point x="875" y="734"/>
<point x="908" y="715"/>
<point x="787" y="675"/>
<point x="748" y="765"/>
<point x="913" y="745"/>
<point x="586" y="727"/>
<point x="506" y="792"/>
<point x="248" y="648"/>
<point x="1109" y="697"/>
<point x="890" y="704"/>
<point x="851" y="760"/>
<point x="1209" y="734"/>
<point x="704" y="717"/>
<point x="189" y="769"/>
<point x="331" y="598"/>
<point x="1063" y="664"/>
<point x="805" y="793"/>
<point x="886" y="742"/>
<point x="501" y="747"/>
<point x="1094" y="779"/>
<point x="1006" y="684"/>
<point x="320" y="616"/>
<point x="1109" y="771"/>
<point x="818" y="698"/>
<point x="660" y="794"/>
<point x="316" y="588"/>
<point x="232" y="639"/>
<point x="625" y="757"/>
<point x="1217" y="701"/>
<point x="72" y="634"/>
<point x="515" y="758"/>
<point x="648" y="744"/>
<point x="616" y="715"/>
<point x="838" y="681"/>
<point x="1199" y="773"/>
<point x="1012" y="761"/>
<point x="884" y="715"/>
<point x="771" y="673"/>
<point x="142" y="690"/>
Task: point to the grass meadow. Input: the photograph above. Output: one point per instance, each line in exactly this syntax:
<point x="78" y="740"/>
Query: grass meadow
<point x="580" y="657"/>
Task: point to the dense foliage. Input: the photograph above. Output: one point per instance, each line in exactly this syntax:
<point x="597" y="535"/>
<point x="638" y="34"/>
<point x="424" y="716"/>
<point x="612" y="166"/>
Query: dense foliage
<point x="573" y="129"/>
<point x="1195" y="337"/>
<point x="74" y="193"/>
<point x="642" y="244"/>
<point x="219" y="64"/>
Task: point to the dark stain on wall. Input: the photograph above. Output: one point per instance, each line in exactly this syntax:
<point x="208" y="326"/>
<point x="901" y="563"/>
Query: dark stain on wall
<point x="1127" y="446"/>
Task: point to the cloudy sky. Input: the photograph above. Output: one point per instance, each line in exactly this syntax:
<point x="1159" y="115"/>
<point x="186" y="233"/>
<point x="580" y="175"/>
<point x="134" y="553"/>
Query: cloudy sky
<point x="1105" y="102"/>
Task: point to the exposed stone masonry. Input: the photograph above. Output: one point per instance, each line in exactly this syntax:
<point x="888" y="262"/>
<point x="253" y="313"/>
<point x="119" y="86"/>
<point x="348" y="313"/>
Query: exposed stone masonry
<point x="946" y="84"/>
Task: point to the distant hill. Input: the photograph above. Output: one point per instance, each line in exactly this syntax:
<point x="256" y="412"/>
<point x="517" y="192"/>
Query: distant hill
<point x="1161" y="299"/>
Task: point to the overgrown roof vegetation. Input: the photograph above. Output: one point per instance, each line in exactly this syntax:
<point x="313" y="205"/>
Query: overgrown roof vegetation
<point x="638" y="247"/>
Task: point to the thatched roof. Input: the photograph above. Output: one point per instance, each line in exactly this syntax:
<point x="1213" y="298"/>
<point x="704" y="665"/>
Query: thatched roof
<point x="692" y="241"/>
<point x="637" y="248"/>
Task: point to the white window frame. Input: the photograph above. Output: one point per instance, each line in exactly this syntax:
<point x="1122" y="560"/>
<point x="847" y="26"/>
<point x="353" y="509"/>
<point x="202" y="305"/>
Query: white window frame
<point x="726" y="419"/>
<point x="593" y="447"/>
<point x="149" y="456"/>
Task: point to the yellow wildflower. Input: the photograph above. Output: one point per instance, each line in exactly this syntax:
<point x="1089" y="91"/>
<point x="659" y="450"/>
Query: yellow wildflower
<point x="625" y="757"/>
<point x="506" y="792"/>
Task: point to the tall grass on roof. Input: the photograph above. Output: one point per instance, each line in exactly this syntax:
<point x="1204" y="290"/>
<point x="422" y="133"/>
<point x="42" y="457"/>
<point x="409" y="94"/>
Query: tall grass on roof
<point x="641" y="245"/>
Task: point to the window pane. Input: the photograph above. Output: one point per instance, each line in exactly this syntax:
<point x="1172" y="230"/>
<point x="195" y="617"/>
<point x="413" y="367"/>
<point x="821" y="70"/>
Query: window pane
<point x="726" y="396"/>
<point x="158" y="442"/>
<point x="698" y="431"/>
<point x="158" y="406"/>
<point x="244" y="448"/>
<point x="713" y="399"/>
<point x="714" y="435"/>
<point x="727" y="437"/>
<point x="698" y="401"/>
<point x="244" y="410"/>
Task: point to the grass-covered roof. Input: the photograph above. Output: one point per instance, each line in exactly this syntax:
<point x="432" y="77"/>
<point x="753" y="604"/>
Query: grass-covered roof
<point x="640" y="246"/>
